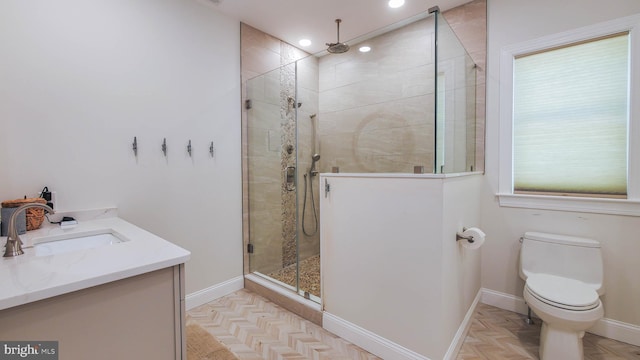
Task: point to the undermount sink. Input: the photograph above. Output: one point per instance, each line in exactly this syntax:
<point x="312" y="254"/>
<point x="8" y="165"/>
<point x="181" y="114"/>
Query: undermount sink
<point x="78" y="241"/>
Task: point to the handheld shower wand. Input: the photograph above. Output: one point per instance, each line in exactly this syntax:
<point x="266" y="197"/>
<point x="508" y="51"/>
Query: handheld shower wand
<point x="314" y="160"/>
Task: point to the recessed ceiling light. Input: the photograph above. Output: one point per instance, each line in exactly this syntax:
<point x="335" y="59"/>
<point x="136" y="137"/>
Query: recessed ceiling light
<point x="304" y="42"/>
<point x="364" y="49"/>
<point x="395" y="3"/>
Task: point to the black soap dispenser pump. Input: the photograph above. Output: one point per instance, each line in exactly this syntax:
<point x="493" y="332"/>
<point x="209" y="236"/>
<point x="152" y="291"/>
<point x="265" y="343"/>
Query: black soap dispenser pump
<point x="46" y="195"/>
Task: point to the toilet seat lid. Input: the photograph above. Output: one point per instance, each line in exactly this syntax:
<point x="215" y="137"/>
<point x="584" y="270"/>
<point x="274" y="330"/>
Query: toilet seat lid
<point x="563" y="292"/>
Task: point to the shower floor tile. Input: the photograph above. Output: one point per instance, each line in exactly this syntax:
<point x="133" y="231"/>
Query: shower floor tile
<point x="309" y="275"/>
<point x="255" y="328"/>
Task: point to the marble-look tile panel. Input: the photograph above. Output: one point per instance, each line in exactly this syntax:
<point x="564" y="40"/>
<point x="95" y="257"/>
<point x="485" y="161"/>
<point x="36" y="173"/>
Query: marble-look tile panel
<point x="385" y="89"/>
<point x="357" y="140"/>
<point x="254" y="37"/>
<point x="252" y="43"/>
<point x="389" y="55"/>
<point x="260" y="142"/>
<point x="308" y="70"/>
<point x="257" y="58"/>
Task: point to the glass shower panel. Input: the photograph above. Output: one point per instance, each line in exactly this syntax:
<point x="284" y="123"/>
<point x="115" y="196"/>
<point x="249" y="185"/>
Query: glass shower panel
<point x="455" y="102"/>
<point x="377" y="108"/>
<point x="271" y="168"/>
<point x="309" y="159"/>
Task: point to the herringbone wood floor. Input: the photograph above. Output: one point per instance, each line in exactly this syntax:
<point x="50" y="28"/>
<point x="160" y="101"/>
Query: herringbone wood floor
<point x="497" y="334"/>
<point x="254" y="329"/>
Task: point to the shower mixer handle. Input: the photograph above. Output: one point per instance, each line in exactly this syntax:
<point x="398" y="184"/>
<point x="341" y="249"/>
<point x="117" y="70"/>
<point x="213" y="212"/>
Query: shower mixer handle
<point x="290" y="178"/>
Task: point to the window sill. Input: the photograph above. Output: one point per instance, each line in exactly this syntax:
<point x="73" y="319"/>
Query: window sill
<point x="566" y="203"/>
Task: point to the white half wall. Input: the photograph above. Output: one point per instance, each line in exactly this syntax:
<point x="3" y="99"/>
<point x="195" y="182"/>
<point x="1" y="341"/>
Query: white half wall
<point x="394" y="279"/>
<point x="79" y="79"/>
<point x="511" y="22"/>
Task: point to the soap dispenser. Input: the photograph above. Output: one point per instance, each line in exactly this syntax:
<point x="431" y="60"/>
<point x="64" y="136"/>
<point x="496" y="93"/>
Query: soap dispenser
<point x="46" y="195"/>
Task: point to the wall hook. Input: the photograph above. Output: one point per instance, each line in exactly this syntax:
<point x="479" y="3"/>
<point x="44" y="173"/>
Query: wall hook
<point x="189" y="148"/>
<point x="164" y="147"/>
<point x="211" y="149"/>
<point x="134" y="146"/>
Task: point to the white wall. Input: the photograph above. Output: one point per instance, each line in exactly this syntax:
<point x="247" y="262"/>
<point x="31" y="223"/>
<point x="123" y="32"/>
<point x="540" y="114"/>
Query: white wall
<point x="79" y="79"/>
<point x="511" y="22"/>
<point x="461" y="272"/>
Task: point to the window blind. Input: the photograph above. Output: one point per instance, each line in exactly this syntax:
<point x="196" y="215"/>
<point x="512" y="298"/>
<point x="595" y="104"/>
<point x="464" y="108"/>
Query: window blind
<point x="570" y="119"/>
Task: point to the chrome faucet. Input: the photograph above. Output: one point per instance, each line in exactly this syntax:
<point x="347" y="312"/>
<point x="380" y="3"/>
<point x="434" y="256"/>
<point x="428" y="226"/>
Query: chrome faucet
<point x="13" y="247"/>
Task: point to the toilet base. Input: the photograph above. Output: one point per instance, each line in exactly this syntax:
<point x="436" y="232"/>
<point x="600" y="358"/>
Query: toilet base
<point x="560" y="344"/>
<point x="562" y="329"/>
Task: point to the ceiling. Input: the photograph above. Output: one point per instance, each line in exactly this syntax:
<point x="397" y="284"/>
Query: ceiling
<point x="292" y="20"/>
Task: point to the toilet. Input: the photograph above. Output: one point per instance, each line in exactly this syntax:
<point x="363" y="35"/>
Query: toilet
<point x="563" y="286"/>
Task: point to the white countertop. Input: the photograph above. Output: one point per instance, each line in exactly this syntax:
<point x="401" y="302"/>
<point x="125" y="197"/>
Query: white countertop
<point x="27" y="278"/>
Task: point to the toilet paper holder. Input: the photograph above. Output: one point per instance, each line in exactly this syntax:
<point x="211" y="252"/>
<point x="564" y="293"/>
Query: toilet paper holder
<point x="459" y="236"/>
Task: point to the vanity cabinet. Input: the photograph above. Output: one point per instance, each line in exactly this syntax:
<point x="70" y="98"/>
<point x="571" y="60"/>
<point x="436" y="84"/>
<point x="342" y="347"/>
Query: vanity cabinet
<point x="139" y="317"/>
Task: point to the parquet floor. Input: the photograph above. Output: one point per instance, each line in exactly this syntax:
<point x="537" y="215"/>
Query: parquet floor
<point x="255" y="329"/>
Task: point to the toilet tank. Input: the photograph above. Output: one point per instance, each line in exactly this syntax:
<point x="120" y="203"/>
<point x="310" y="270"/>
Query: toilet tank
<point x="561" y="255"/>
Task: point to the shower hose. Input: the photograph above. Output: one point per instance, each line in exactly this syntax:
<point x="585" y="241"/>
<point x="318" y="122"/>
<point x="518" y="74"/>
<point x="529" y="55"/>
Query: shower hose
<point x="309" y="178"/>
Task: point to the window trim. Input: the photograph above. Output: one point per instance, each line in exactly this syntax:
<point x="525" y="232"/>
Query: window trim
<point x="629" y="206"/>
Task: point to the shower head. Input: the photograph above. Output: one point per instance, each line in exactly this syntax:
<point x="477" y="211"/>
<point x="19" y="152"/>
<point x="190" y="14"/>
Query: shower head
<point x="337" y="47"/>
<point x="314" y="160"/>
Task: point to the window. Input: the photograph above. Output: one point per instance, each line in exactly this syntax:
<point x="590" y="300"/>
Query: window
<point x="567" y="115"/>
<point x="570" y="112"/>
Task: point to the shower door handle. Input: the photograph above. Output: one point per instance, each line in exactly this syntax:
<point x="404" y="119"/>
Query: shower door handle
<point x="290" y="178"/>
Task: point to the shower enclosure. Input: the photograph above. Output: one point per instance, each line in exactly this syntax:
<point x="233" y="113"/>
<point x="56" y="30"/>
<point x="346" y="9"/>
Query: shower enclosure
<point x="406" y="106"/>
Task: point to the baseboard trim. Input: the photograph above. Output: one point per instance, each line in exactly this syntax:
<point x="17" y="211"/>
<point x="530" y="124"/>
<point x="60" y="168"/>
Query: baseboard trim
<point x="387" y="349"/>
<point x="463" y="329"/>
<point x="367" y="340"/>
<point x="609" y="328"/>
<point x="214" y="292"/>
<point x="617" y="330"/>
<point x="504" y="301"/>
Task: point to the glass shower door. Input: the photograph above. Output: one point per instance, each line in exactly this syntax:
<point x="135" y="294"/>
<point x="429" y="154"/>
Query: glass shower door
<point x="309" y="167"/>
<point x="272" y="175"/>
